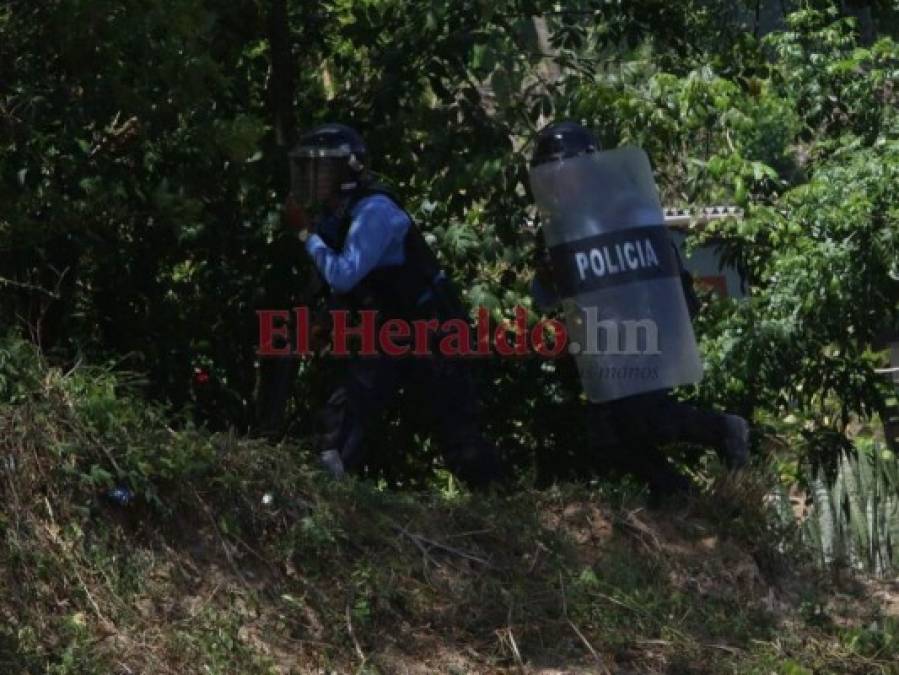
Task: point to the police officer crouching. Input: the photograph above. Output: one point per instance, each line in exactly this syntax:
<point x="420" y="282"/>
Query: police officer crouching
<point x="610" y="263"/>
<point x="372" y="256"/>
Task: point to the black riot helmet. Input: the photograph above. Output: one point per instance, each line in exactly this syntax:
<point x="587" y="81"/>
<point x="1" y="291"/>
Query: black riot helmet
<point x="328" y="161"/>
<point x="562" y="140"/>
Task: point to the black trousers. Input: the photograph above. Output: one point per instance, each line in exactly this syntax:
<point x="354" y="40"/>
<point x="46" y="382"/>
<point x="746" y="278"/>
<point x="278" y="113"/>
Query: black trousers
<point x="370" y="384"/>
<point x="627" y="434"/>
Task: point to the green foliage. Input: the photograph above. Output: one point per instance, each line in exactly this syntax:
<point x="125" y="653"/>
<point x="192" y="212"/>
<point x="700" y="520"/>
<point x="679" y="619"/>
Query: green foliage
<point x="879" y="639"/>
<point x="141" y="174"/>
<point x="113" y="436"/>
<point x="825" y="257"/>
<point x="20" y="371"/>
<point x="820" y="241"/>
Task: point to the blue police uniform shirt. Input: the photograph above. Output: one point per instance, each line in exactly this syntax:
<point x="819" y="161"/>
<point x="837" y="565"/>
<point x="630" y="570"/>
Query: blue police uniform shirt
<point x="375" y="239"/>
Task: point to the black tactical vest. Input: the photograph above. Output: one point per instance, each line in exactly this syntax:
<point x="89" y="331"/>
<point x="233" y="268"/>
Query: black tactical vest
<point x="415" y="289"/>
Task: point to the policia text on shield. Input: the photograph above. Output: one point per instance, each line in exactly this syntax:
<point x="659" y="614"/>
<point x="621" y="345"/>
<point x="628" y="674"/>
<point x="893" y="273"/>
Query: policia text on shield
<point x="610" y="256"/>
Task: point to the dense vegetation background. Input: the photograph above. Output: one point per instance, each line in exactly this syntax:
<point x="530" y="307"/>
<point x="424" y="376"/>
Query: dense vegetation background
<point x="142" y="158"/>
<point x="142" y="172"/>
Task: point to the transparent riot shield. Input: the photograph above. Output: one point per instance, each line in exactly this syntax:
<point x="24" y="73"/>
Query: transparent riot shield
<point x="617" y="272"/>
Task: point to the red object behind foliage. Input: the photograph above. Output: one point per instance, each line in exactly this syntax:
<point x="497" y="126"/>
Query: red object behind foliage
<point x="716" y="284"/>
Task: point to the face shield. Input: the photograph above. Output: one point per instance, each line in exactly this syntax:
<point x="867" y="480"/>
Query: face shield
<point x="318" y="174"/>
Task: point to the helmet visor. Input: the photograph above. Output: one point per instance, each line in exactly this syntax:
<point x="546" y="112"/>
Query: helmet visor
<point x="315" y="179"/>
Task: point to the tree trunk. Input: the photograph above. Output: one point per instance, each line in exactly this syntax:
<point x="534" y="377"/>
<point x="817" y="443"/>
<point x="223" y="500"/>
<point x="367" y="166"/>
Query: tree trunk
<point x="276" y="375"/>
<point x="282" y="86"/>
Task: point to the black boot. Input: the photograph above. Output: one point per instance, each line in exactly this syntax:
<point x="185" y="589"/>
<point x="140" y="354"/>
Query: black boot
<point x="735" y="453"/>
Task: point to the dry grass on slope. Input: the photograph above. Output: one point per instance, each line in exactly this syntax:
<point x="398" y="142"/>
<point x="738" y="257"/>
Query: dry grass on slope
<point x="237" y="558"/>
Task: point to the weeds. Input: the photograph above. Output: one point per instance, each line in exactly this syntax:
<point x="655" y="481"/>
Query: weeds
<point x="238" y="558"/>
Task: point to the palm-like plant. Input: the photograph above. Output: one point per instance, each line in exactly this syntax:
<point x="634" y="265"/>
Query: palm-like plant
<point x="855" y="517"/>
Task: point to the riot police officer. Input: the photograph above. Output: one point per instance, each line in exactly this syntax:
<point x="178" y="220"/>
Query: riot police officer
<point x="611" y="264"/>
<point x="372" y="256"/>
